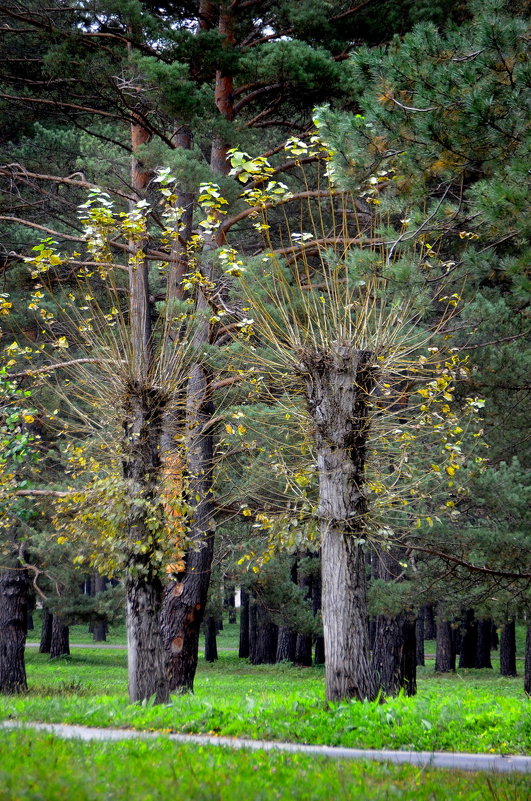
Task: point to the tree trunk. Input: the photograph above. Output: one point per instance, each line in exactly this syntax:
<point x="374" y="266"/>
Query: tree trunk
<point x="469" y="640"/>
<point x="14" y="590"/>
<point x="286" y="645"/>
<point x="337" y="382"/>
<point x="243" y="651"/>
<point x="46" y="631"/>
<point x="211" y="647"/>
<point x="420" y="656"/>
<point x="430" y="626"/>
<point x="484" y="639"/>
<point x="60" y="644"/>
<point x="527" y="662"/>
<point x="264" y="649"/>
<point x="303" y="644"/>
<point x="445" y="647"/>
<point x="508" y="649"/>
<point x="99" y="627"/>
<point x="185" y="598"/>
<point x="146" y="655"/>
<point x="394" y="651"/>
<point x="319" y="653"/>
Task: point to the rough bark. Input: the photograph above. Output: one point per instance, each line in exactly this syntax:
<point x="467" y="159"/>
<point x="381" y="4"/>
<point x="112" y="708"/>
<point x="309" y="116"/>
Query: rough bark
<point x="264" y="645"/>
<point x="60" y="644"/>
<point x="211" y="647"/>
<point x="286" y="644"/>
<point x="142" y="471"/>
<point x="14" y="591"/>
<point x="508" y="649"/>
<point x="146" y="655"/>
<point x="469" y="640"/>
<point x="394" y="650"/>
<point x="243" y="651"/>
<point x="445" y="645"/>
<point x="484" y="639"/>
<point x="46" y="631"/>
<point x="337" y="382"/>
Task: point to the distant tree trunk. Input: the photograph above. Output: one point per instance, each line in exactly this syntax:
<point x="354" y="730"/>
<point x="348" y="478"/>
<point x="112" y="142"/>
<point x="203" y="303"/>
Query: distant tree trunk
<point x="319" y="653"/>
<point x="494" y="639"/>
<point x="445" y="648"/>
<point x="420" y="657"/>
<point x="99" y="627"/>
<point x="430" y="627"/>
<point x="303" y="645"/>
<point x="46" y="631"/>
<point x="264" y="648"/>
<point x="394" y="652"/>
<point x="14" y="591"/>
<point x="231" y="604"/>
<point x="243" y="651"/>
<point x="60" y="644"/>
<point x="469" y="640"/>
<point x="527" y="661"/>
<point x="211" y="647"/>
<point x="286" y="644"/>
<point x="508" y="649"/>
<point x="484" y="639"/>
<point x="338" y="380"/>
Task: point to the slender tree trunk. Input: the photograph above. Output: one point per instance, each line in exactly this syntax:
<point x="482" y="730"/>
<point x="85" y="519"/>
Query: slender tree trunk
<point x="469" y="640"/>
<point x="337" y="383"/>
<point x="286" y="644"/>
<point x="319" y="653"/>
<point x="445" y="647"/>
<point x="527" y="661"/>
<point x="60" y="644"/>
<point x="14" y="592"/>
<point x="46" y="631"/>
<point x="508" y="649"/>
<point x="99" y="629"/>
<point x="243" y="651"/>
<point x="484" y="639"/>
<point x="211" y="647"/>
<point x="303" y="645"/>
<point x="420" y="638"/>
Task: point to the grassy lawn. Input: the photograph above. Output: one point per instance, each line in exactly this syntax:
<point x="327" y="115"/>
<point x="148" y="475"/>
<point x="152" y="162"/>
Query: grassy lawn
<point x="40" y="767"/>
<point x="472" y="711"/>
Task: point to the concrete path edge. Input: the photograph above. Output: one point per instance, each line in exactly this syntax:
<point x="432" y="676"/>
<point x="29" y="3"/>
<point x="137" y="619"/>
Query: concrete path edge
<point x="494" y="763"/>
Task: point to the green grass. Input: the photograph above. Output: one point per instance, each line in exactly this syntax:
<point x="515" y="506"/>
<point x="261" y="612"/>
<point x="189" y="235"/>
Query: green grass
<point x="473" y="711"/>
<point x="40" y="767"/>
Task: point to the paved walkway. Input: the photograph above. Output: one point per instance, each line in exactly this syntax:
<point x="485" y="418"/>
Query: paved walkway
<point x="493" y="763"/>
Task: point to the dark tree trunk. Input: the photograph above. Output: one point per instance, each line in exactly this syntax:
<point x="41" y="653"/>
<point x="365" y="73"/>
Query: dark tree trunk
<point x="146" y="656"/>
<point x="243" y="651"/>
<point x="527" y="662"/>
<point x="60" y="644"/>
<point x="484" y="629"/>
<point x="394" y="651"/>
<point x="319" y="653"/>
<point x="253" y="630"/>
<point x="14" y="591"/>
<point x="231" y="605"/>
<point x="29" y="624"/>
<point x="99" y="625"/>
<point x="419" y="633"/>
<point x="494" y="638"/>
<point x="264" y="648"/>
<point x="430" y="626"/>
<point x="46" y="631"/>
<point x="508" y="649"/>
<point x="337" y="383"/>
<point x="320" y="656"/>
<point x="394" y="656"/>
<point x="303" y="645"/>
<point x="186" y="597"/>
<point x="211" y="646"/>
<point x="286" y="644"/>
<point x="469" y="640"/>
<point x="445" y="646"/>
